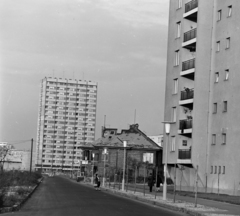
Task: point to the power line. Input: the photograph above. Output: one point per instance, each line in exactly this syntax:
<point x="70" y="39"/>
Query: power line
<point x="18" y="142"/>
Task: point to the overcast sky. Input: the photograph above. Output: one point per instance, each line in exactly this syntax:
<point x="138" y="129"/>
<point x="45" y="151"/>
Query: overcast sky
<point x="120" y="44"/>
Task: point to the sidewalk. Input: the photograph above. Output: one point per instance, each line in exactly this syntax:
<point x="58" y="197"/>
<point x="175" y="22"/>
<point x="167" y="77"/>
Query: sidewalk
<point x="185" y="204"/>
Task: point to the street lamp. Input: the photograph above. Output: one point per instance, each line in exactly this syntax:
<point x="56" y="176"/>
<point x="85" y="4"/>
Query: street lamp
<point x="124" y="163"/>
<point x="93" y="155"/>
<point x="104" y="164"/>
<point x="167" y="131"/>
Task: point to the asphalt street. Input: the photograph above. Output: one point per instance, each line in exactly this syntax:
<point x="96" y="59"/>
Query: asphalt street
<point x="63" y="197"/>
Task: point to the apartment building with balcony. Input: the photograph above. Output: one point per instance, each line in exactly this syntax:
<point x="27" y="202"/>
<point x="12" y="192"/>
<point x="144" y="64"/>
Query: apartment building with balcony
<point x="201" y="97"/>
<point x="66" y="123"/>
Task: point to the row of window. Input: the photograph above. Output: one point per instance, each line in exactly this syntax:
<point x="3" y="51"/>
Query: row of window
<point x="68" y="108"/>
<point x="68" y="128"/>
<point x="71" y="94"/>
<point x="68" y="118"/>
<point x="62" y="152"/>
<point x="69" y="123"/>
<point x="220" y="13"/>
<point x="217" y="170"/>
<point x="66" y="104"/>
<point x="71" y="89"/>
<point x="224" y="107"/>
<point x="70" y="84"/>
<point x="69" y="137"/>
<point x="223" y="139"/>
<point x="218" y="45"/>
<point x="69" y="99"/>
<point x="226" y="76"/>
<point x="65" y="146"/>
<point x="60" y="156"/>
<point x="59" y="162"/>
<point x="68" y="132"/>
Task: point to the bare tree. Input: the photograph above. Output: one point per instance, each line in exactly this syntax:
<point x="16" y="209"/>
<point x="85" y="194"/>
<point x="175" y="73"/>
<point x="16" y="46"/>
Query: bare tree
<point x="4" y="151"/>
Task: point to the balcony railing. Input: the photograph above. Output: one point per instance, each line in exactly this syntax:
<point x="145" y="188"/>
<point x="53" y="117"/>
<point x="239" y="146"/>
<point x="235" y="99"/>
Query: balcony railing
<point x="189" y="35"/>
<point x="185" y="124"/>
<point x="186" y="65"/>
<point x="187" y="94"/>
<point x="184" y="154"/>
<point x="191" y="5"/>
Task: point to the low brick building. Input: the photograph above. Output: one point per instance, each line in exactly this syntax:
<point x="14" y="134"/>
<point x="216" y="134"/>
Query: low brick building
<point x="140" y="151"/>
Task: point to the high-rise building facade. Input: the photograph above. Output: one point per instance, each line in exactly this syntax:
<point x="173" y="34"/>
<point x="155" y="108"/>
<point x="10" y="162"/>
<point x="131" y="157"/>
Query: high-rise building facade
<point x="202" y="94"/>
<point x="66" y="122"/>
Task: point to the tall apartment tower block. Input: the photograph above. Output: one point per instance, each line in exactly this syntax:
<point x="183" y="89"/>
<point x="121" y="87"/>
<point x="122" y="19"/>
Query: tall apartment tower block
<point x="202" y="96"/>
<point x="66" y="122"/>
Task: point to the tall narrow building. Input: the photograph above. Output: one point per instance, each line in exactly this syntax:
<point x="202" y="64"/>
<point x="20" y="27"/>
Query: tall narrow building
<point x="202" y="95"/>
<point x="66" y="122"/>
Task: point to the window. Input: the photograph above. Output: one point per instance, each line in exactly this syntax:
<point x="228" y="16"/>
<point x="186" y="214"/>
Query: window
<point x="215" y="170"/>
<point x="178" y="30"/>
<point x="173" y="143"/>
<point x="213" y="139"/>
<point x="184" y="142"/>
<point x="219" y="169"/>
<point x="229" y="10"/>
<point x="211" y="170"/>
<point x="224" y="106"/>
<point x="226" y="74"/>
<point x="104" y="155"/>
<point x="215" y="108"/>
<point x="174" y="116"/>
<point x="176" y="63"/>
<point x="216" y="77"/>
<point x="228" y="43"/>
<point x="175" y="86"/>
<point x="219" y="15"/>
<point x="218" y="46"/>
<point x="223" y="171"/>
<point x="224" y="138"/>
<point x="179" y="4"/>
<point x="148" y="157"/>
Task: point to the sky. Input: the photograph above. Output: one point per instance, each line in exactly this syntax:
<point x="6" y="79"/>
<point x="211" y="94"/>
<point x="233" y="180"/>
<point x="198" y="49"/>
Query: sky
<point x="120" y="44"/>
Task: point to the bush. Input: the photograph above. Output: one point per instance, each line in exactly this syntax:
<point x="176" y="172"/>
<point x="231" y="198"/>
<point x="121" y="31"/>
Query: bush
<point x="10" y="200"/>
<point x="1" y="199"/>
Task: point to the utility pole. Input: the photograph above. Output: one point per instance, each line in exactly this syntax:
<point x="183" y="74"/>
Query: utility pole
<point x="31" y="156"/>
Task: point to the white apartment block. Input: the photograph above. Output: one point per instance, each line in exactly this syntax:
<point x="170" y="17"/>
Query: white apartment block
<point x="66" y="122"/>
<point x="158" y="139"/>
<point x="202" y="95"/>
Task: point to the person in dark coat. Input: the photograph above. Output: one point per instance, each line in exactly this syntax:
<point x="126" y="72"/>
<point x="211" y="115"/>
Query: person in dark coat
<point x="97" y="182"/>
<point x="150" y="182"/>
<point x="159" y="182"/>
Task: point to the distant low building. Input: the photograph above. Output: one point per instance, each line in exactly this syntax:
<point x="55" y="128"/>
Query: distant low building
<point x="5" y="144"/>
<point x="157" y="139"/>
<point x="140" y="148"/>
<point x="17" y="160"/>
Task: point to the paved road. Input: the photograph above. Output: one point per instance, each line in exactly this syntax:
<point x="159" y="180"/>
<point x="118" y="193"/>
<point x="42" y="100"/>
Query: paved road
<point x="59" y="196"/>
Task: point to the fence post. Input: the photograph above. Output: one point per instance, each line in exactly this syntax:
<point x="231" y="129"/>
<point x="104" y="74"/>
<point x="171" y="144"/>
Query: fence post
<point x="135" y="178"/>
<point x="156" y="182"/>
<point x="144" y="169"/>
<point x="174" y="196"/>
<point x="127" y="179"/>
<point x="119" y="180"/>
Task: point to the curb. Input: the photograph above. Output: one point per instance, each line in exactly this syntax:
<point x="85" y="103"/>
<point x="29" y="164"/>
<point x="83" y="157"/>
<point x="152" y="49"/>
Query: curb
<point x="164" y="205"/>
<point x="152" y="202"/>
<point x="17" y="207"/>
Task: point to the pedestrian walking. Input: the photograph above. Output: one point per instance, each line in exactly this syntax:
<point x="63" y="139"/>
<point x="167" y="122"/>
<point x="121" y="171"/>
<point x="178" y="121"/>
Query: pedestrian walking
<point x="159" y="182"/>
<point x="97" y="182"/>
<point x="150" y="182"/>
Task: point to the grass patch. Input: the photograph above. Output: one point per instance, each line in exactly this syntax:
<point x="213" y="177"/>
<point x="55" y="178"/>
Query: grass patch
<point x="15" y="185"/>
